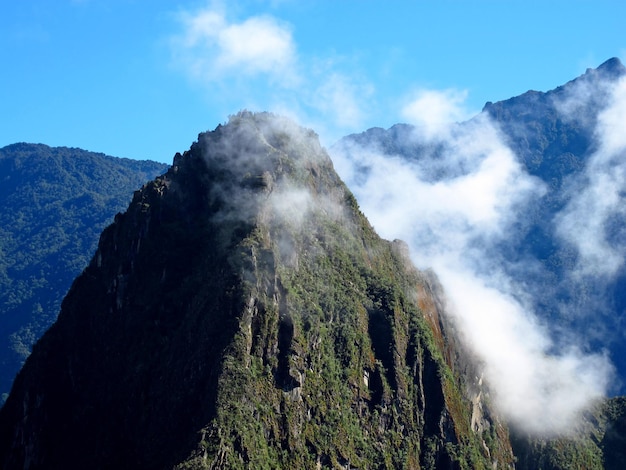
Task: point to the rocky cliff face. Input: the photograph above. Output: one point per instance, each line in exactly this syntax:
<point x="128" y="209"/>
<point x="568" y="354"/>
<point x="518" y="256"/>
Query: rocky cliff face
<point x="243" y="314"/>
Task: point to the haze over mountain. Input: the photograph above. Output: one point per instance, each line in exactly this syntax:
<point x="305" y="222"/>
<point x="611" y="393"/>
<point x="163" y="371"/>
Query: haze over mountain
<point x="54" y="202"/>
<point x="519" y="211"/>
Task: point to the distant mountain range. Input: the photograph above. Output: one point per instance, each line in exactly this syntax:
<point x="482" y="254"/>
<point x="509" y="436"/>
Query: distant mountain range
<point x="54" y="202"/>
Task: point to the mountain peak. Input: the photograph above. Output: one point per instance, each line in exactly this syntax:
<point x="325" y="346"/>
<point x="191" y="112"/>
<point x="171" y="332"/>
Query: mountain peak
<point x="607" y="72"/>
<point x="255" y="137"/>
<point x="613" y="66"/>
<point x="243" y="313"/>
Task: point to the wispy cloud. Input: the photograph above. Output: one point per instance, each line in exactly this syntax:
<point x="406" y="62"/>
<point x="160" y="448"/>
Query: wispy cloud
<point x="597" y="198"/>
<point x="214" y="48"/>
<point x="452" y="221"/>
<point x="342" y="97"/>
<point x="256" y="61"/>
<point x="433" y="110"/>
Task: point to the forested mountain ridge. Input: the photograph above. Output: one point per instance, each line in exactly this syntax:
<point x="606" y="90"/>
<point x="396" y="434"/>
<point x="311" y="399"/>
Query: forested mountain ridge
<point x="54" y="202"/>
<point x="242" y="313"/>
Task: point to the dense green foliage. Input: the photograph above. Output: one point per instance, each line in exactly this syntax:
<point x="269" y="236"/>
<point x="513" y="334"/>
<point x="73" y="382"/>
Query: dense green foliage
<point x="54" y="202"/>
<point x="598" y="442"/>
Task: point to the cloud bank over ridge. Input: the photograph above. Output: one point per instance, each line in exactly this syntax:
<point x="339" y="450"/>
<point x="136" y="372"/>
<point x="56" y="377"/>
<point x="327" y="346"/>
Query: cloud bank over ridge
<point x="597" y="200"/>
<point x="452" y="219"/>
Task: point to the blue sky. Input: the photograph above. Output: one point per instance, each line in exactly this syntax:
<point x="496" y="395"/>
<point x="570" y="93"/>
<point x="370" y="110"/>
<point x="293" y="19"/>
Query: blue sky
<point x="140" y="79"/>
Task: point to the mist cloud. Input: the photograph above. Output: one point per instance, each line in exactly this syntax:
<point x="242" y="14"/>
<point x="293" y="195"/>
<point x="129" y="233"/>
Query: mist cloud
<point x="213" y="48"/>
<point x="597" y="200"/>
<point x="262" y="156"/>
<point x="433" y="110"/>
<point x="452" y="218"/>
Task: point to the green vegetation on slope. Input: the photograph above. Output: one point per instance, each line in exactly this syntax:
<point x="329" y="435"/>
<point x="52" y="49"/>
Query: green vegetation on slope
<point x="599" y="442"/>
<point x="333" y="364"/>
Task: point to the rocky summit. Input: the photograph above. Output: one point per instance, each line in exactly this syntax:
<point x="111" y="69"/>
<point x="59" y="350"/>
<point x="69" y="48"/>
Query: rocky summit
<point x="242" y="313"/>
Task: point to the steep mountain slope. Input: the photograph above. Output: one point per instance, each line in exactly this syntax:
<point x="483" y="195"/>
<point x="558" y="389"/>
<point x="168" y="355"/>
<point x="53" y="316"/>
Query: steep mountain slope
<point x="54" y="202"/>
<point x="243" y="314"/>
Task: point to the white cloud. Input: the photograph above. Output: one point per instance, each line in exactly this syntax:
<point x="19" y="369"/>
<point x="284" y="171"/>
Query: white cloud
<point x="432" y="111"/>
<point x="254" y="64"/>
<point x="612" y="121"/>
<point x="340" y="96"/>
<point x="474" y="201"/>
<point x="598" y="196"/>
<point x="214" y="48"/>
<point x="539" y="390"/>
<point x="258" y="44"/>
<point x="451" y="221"/>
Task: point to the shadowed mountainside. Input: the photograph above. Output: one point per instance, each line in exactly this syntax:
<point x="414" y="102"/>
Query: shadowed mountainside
<point x="54" y="202"/>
